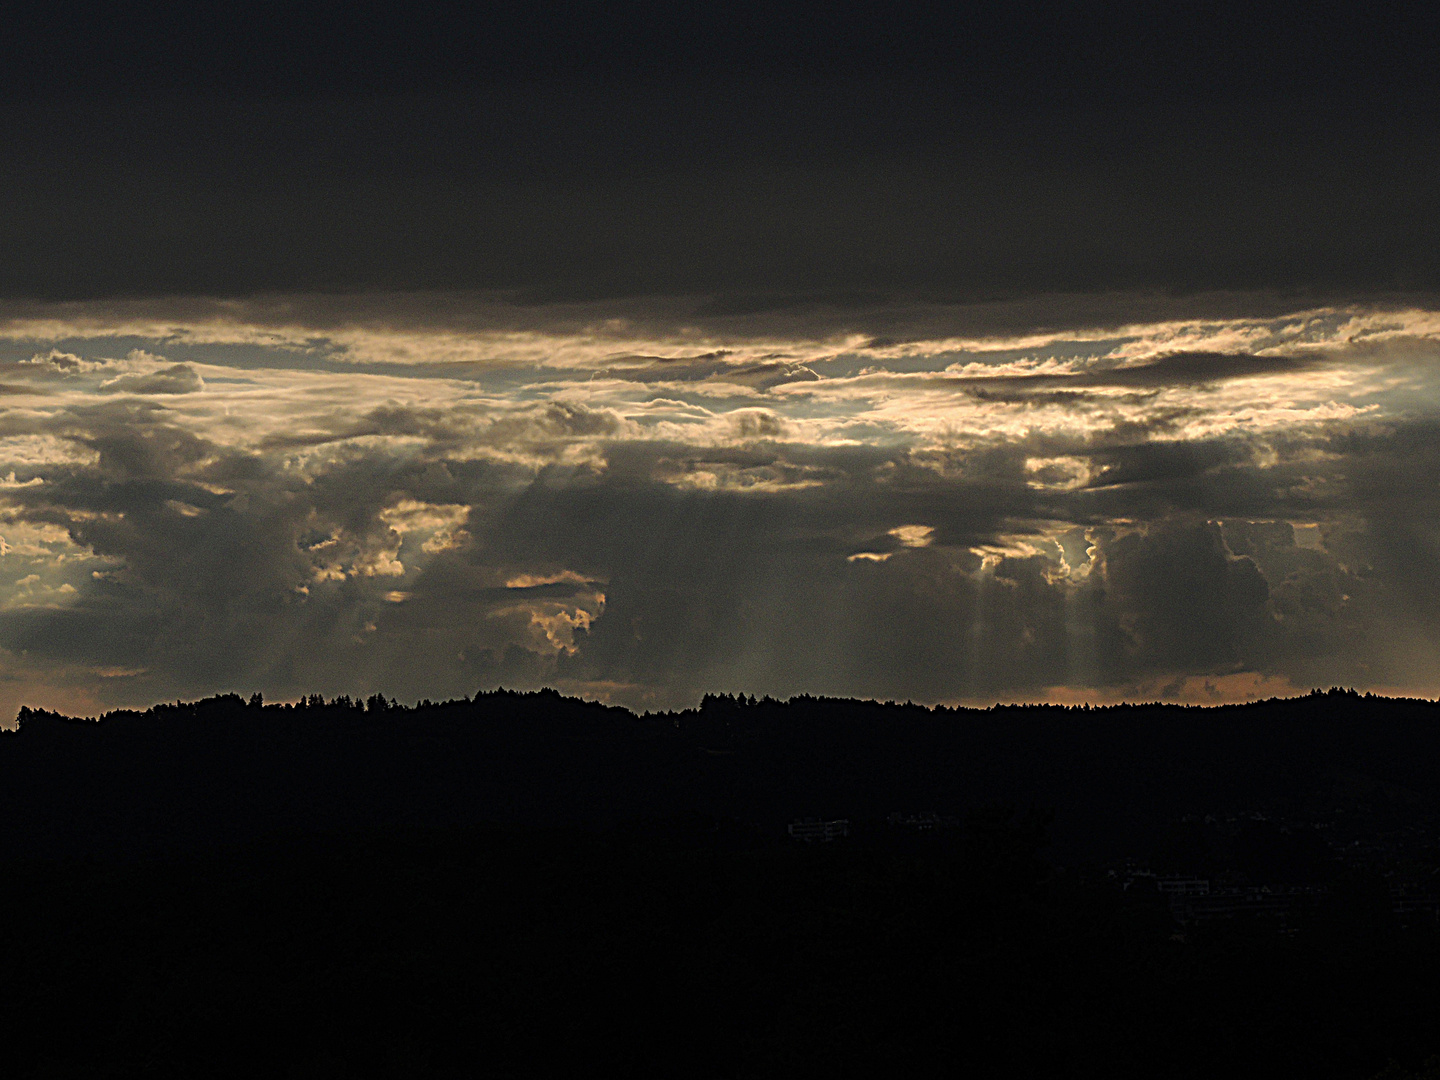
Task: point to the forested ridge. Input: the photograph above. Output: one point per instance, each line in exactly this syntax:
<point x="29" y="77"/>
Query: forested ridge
<point x="222" y="769"/>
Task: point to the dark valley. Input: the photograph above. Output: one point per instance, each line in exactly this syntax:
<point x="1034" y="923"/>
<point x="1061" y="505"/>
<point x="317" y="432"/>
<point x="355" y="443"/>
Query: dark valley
<point x="525" y="883"/>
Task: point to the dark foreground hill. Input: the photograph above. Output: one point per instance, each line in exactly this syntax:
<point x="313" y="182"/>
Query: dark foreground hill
<point x="525" y="885"/>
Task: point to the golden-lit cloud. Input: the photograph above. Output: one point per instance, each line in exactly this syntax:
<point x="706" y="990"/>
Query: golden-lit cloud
<point x="417" y="494"/>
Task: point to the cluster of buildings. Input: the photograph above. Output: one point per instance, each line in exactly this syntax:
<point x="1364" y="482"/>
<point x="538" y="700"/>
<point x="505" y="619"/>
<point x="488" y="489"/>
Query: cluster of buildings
<point x="814" y="831"/>
<point x="817" y="830"/>
<point x="1193" y="900"/>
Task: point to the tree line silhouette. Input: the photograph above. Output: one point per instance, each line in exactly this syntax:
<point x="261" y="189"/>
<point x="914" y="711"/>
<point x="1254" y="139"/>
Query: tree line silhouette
<point x="224" y="768"/>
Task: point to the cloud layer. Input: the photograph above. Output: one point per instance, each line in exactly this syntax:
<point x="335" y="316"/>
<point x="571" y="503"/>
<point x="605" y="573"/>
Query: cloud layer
<point x="1066" y="498"/>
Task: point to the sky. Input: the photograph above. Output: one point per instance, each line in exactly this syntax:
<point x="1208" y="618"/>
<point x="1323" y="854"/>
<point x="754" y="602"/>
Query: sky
<point x="1054" y="354"/>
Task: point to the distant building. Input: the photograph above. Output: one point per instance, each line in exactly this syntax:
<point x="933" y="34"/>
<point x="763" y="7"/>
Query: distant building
<point x="1137" y="878"/>
<point x="1180" y="886"/>
<point x="813" y="830"/>
<point x="926" y="821"/>
<point x="1228" y="903"/>
<point x="1415" y="903"/>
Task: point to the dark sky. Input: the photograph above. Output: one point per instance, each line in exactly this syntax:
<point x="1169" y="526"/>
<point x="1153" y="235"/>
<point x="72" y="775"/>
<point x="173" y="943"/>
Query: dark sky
<point x="963" y="354"/>
<point x="634" y="149"/>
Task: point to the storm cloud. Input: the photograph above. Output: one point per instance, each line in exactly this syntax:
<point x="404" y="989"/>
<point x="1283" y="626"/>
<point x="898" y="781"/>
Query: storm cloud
<point x="755" y="155"/>
<point x="1215" y="508"/>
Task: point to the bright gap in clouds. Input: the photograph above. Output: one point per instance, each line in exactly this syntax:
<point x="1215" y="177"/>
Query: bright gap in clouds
<point x="645" y="503"/>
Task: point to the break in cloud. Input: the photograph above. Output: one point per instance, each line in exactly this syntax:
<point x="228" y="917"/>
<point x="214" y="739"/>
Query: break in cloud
<point x="1066" y="498"/>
